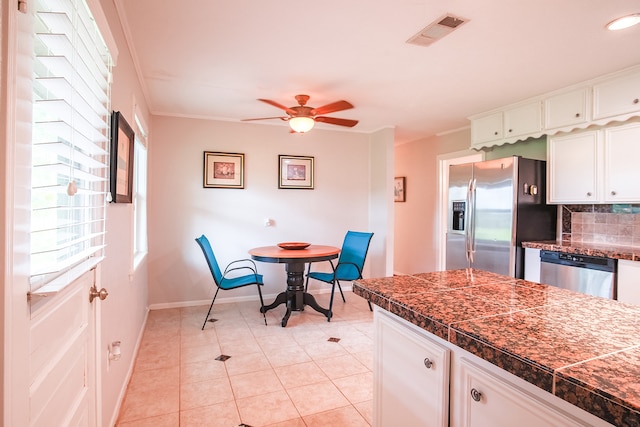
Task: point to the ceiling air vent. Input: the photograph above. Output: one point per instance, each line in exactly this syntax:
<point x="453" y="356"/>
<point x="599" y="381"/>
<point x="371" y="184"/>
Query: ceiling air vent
<point x="437" y="30"/>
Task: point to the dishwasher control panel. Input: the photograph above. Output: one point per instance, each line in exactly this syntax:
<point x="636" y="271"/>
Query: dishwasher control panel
<point x="583" y="258"/>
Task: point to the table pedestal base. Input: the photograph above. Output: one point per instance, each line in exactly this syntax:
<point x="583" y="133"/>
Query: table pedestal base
<point x="295" y="297"/>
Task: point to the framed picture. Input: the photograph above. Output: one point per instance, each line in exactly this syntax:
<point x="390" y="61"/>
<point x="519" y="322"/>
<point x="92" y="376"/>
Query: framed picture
<point x="223" y="170"/>
<point x="121" y="168"/>
<point x="399" y="189"/>
<point x="295" y="172"/>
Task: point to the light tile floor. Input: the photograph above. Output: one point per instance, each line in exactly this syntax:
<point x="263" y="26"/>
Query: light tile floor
<point x="286" y="377"/>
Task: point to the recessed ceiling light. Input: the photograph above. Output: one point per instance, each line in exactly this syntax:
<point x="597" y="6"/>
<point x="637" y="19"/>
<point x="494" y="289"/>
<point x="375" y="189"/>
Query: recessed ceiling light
<point x="624" y="22"/>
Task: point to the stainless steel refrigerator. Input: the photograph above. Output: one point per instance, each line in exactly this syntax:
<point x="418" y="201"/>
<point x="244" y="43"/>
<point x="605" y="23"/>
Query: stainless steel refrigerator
<point x="494" y="206"/>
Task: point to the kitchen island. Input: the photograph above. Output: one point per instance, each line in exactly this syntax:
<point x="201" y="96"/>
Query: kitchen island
<point x="571" y="347"/>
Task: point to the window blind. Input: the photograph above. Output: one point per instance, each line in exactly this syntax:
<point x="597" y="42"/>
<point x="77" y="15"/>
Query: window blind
<point x="70" y="145"/>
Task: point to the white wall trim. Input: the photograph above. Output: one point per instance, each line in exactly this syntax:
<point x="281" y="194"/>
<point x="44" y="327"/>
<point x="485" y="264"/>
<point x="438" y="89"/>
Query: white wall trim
<point x="267" y="299"/>
<point x="125" y="383"/>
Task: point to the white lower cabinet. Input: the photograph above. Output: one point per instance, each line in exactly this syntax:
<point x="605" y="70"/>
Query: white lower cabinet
<point x="629" y="281"/>
<point x="489" y="401"/>
<point x="421" y="380"/>
<point x="532" y="264"/>
<point x="411" y="375"/>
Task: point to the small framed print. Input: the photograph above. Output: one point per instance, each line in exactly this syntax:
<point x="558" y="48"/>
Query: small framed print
<point x="223" y="170"/>
<point x="295" y="172"/>
<point x="399" y="189"/>
<point x="121" y="167"/>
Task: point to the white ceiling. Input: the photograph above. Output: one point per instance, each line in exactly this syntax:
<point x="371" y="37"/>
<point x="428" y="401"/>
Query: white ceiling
<point x="214" y="58"/>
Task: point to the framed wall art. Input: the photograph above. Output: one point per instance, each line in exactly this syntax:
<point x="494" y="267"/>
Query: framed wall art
<point x="295" y="172"/>
<point x="399" y="189"/>
<point x="121" y="167"/>
<point x="223" y="170"/>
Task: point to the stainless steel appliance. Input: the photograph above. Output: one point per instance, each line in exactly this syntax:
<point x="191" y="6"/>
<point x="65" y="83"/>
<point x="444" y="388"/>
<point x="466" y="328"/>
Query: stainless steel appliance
<point x="494" y="206"/>
<point x="587" y="274"/>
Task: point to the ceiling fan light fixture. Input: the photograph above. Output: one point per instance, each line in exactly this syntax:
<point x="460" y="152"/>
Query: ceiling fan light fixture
<point x="624" y="22"/>
<point x="301" y="124"/>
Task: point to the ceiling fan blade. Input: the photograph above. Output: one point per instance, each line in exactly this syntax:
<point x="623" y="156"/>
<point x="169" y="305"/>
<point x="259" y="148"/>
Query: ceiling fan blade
<point x="277" y="105"/>
<point x="330" y="108"/>
<point x="265" y="118"/>
<point x="336" y="121"/>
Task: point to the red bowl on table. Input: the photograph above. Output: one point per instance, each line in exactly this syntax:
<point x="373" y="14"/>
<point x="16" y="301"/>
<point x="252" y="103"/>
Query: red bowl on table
<point x="294" y="245"/>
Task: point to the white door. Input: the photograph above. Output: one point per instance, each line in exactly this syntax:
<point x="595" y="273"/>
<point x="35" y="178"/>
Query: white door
<point x="50" y="361"/>
<point x="62" y="357"/>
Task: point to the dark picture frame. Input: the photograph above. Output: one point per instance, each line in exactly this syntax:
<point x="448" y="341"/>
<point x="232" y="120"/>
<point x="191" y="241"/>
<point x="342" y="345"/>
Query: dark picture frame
<point x="223" y="170"/>
<point x="295" y="172"/>
<point x="399" y="190"/>
<point x="121" y="166"/>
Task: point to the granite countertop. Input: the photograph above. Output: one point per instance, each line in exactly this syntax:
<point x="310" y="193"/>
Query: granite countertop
<point x="583" y="349"/>
<point x="595" y="249"/>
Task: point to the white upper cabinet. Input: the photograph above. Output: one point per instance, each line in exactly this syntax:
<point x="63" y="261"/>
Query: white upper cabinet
<point x="597" y="166"/>
<point x="622" y="172"/>
<point x="566" y="109"/>
<point x="599" y="102"/>
<point x="617" y="96"/>
<point x="487" y="128"/>
<point x="572" y="168"/>
<point x="506" y="126"/>
<point x="523" y="120"/>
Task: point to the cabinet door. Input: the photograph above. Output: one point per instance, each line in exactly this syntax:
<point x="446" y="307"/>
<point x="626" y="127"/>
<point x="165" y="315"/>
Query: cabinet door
<point x="489" y="401"/>
<point x="411" y="377"/>
<point x="629" y="281"/>
<point x="622" y="172"/>
<point x="617" y="96"/>
<point x="572" y="168"/>
<point x="523" y="120"/>
<point x="488" y="128"/>
<point x="566" y="109"/>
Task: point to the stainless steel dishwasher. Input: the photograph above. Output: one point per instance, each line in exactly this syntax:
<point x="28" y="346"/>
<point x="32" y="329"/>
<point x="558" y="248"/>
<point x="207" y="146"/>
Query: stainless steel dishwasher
<point x="581" y="273"/>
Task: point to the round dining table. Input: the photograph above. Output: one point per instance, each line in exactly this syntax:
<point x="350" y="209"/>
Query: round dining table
<point x="295" y="296"/>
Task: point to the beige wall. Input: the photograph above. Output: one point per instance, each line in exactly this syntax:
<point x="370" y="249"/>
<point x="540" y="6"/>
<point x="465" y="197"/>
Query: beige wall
<point x="415" y="220"/>
<point x="123" y="313"/>
<point x="180" y="209"/>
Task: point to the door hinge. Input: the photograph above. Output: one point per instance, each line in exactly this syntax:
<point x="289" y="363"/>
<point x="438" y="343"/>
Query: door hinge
<point x="22" y="6"/>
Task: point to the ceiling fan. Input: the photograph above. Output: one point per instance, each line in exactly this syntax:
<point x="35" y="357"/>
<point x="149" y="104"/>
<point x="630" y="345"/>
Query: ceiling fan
<point x="301" y="118"/>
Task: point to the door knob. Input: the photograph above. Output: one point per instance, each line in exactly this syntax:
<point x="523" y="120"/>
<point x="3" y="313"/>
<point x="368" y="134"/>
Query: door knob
<point x="93" y="293"/>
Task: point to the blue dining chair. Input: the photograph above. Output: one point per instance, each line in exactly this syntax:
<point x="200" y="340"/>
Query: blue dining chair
<point x="349" y="267"/>
<point x="237" y="281"/>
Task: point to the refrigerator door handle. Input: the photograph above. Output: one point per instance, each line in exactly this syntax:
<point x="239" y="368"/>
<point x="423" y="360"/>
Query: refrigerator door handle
<point x="471" y="237"/>
<point x="469" y="219"/>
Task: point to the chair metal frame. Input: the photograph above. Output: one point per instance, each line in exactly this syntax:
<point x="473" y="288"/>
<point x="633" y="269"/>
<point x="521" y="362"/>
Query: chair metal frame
<point x="222" y="281"/>
<point x="343" y="265"/>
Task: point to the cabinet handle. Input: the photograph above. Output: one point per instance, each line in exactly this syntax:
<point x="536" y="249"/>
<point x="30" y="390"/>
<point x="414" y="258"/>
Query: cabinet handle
<point x="577" y="114"/>
<point x="613" y="193"/>
<point x="428" y="363"/>
<point x="476" y="395"/>
<point x="589" y="194"/>
<point x="510" y="130"/>
<point x="635" y="101"/>
<point x="495" y="133"/>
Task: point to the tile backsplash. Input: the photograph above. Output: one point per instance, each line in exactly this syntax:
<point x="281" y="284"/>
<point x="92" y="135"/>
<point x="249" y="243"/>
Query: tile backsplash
<point x="606" y="224"/>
